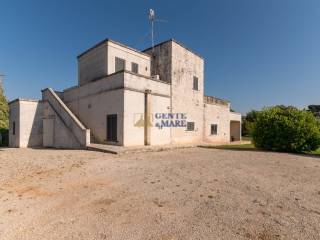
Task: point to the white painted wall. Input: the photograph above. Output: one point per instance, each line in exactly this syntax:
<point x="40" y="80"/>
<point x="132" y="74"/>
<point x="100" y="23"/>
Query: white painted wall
<point x="159" y="105"/>
<point x="186" y="65"/>
<point x="134" y="113"/>
<point x="63" y="137"/>
<point x="92" y="65"/>
<point x="67" y="116"/>
<point x="94" y="108"/>
<point x="129" y="55"/>
<point x="100" y="61"/>
<point x="106" y="96"/>
<point x="27" y="115"/>
<point x="217" y="114"/>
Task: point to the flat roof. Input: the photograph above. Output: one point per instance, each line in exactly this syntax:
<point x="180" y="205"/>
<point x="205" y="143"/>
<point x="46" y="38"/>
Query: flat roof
<point x="177" y="42"/>
<point x="109" y="75"/>
<point x="23" y="99"/>
<point x="133" y="49"/>
<point x="115" y="42"/>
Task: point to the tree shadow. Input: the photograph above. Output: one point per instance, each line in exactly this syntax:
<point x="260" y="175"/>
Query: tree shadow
<point x="252" y="149"/>
<point x="234" y="148"/>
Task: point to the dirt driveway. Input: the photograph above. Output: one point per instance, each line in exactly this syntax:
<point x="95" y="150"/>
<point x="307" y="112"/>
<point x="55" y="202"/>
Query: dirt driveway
<point x="179" y="194"/>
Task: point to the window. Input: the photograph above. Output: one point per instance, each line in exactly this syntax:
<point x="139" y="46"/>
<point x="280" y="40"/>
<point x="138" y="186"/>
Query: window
<point x="190" y="126"/>
<point x="13" y="128"/>
<point x="214" y="129"/>
<point x="120" y="64"/>
<point x="195" y="83"/>
<point x="134" y="67"/>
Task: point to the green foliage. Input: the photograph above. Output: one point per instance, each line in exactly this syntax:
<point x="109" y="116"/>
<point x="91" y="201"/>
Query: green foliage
<point x="248" y="122"/>
<point x="286" y="129"/>
<point x="4" y="118"/>
<point x="4" y="110"/>
<point x="315" y="109"/>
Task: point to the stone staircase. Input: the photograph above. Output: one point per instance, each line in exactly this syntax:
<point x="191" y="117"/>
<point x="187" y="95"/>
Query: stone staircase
<point x="79" y="131"/>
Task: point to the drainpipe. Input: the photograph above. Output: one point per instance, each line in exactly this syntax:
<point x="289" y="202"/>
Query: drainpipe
<point x="147" y="115"/>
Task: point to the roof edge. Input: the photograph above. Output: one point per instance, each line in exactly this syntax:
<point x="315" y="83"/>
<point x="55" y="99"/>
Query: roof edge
<point x="24" y="100"/>
<point x="177" y="42"/>
<point x="113" y="41"/>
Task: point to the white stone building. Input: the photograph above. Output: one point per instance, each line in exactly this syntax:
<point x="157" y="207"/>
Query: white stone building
<point x="127" y="97"/>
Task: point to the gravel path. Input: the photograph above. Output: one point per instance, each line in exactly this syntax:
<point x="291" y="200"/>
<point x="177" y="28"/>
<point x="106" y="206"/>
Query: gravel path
<point x="180" y="194"/>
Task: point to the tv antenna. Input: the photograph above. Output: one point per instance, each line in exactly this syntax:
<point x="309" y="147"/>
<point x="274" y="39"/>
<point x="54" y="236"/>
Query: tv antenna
<point x="153" y="19"/>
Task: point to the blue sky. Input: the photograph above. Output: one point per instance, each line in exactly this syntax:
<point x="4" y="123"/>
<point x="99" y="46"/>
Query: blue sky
<point x="257" y="52"/>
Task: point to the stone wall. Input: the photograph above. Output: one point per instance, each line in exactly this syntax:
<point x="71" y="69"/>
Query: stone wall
<point x="185" y="66"/>
<point x="178" y="65"/>
<point x="161" y="61"/>
<point x="219" y="115"/>
<point x="27" y="115"/>
<point x="62" y="135"/>
<point x="130" y="56"/>
<point x="81" y="133"/>
<point x="121" y="93"/>
<point x="134" y="118"/>
<point x="92" y="65"/>
<point x="100" y="61"/>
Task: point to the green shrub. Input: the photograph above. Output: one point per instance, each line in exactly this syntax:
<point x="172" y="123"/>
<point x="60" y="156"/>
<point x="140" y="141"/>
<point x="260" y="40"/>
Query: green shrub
<point x="4" y="118"/>
<point x="248" y="122"/>
<point x="286" y="129"/>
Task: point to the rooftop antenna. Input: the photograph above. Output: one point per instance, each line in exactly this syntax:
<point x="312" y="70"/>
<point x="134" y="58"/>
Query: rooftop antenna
<point x="152" y="19"/>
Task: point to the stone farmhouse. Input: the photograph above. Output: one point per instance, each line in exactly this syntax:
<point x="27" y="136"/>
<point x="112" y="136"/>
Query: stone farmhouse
<point x="127" y="97"/>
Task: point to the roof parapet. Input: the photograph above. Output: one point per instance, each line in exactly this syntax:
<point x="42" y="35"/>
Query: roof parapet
<point x="23" y="99"/>
<point x="115" y="42"/>
<point x="216" y="101"/>
<point x="177" y="42"/>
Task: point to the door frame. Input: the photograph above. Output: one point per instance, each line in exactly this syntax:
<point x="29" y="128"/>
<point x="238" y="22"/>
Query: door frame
<point x="113" y="138"/>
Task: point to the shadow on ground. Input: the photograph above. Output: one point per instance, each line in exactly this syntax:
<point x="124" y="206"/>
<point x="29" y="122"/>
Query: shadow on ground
<point x="250" y="148"/>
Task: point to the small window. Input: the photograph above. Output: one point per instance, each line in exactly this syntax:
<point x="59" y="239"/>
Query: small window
<point x="134" y="67"/>
<point x="120" y="64"/>
<point x="214" y="129"/>
<point x="195" y="83"/>
<point x="13" y="128"/>
<point x="190" y="126"/>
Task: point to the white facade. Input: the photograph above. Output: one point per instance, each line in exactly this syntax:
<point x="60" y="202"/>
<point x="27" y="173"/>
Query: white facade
<point x="128" y="97"/>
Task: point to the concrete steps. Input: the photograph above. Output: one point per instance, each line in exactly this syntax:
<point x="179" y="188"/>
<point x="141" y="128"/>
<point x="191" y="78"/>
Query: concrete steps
<point x="67" y="117"/>
<point x="113" y="149"/>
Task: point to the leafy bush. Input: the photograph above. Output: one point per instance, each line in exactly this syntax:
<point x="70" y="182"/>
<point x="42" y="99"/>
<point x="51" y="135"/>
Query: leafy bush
<point x="4" y="110"/>
<point x="286" y="129"/>
<point x="248" y="122"/>
<point x="4" y="118"/>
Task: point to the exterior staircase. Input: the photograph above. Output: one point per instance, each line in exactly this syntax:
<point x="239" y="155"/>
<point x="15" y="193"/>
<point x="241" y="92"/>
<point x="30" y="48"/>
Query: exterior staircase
<point x="79" y="131"/>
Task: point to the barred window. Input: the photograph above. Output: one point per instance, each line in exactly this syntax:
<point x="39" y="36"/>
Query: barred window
<point x="214" y="129"/>
<point x="195" y="83"/>
<point x="190" y="126"/>
<point x="13" y="128"/>
<point x="120" y="64"/>
<point x="134" y="67"/>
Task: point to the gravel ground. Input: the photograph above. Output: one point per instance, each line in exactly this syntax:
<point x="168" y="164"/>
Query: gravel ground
<point x="179" y="194"/>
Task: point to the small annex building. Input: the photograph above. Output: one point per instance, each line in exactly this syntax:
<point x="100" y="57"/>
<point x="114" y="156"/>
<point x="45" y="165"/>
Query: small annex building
<point x="127" y="97"/>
